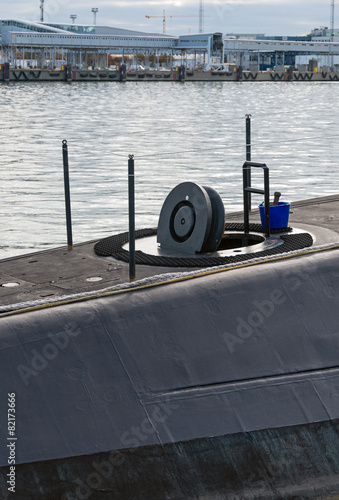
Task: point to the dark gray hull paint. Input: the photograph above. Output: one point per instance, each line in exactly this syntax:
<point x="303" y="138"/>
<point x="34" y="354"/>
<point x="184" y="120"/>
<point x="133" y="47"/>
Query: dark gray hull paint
<point x="253" y="349"/>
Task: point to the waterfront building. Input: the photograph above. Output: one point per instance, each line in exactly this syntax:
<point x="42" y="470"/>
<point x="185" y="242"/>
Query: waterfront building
<point x="77" y="45"/>
<point x="28" y="44"/>
<point x="260" y="52"/>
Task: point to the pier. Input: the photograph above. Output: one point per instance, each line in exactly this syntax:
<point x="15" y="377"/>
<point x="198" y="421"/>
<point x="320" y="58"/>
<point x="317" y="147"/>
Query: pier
<point x="178" y="74"/>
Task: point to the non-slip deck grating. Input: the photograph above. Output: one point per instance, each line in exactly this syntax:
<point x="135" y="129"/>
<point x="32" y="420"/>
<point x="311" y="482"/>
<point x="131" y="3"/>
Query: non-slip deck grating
<point x="113" y="246"/>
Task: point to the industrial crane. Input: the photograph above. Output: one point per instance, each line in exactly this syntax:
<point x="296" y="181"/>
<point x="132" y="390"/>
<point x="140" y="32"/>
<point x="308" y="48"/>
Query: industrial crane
<point x="164" y="19"/>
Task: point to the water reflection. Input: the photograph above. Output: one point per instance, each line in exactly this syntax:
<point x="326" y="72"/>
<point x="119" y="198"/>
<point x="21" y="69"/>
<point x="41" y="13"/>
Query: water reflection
<point x="177" y="132"/>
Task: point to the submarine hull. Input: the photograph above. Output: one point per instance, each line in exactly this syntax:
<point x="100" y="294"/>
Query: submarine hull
<point x="221" y="386"/>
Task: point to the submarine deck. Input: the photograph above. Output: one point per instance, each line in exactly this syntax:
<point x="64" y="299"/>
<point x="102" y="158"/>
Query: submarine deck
<point x="54" y="273"/>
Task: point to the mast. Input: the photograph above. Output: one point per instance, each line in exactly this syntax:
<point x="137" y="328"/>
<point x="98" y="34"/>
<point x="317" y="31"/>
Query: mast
<point x="201" y="16"/>
<point x="42" y="11"/>
<point x="332" y="33"/>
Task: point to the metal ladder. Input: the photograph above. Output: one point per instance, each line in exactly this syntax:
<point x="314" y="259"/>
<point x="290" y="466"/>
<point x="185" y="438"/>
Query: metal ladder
<point x="247" y="189"/>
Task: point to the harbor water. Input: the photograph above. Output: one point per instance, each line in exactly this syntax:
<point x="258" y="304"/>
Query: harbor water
<point x="176" y="132"/>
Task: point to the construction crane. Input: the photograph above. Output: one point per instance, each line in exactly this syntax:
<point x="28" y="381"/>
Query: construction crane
<point x="164" y="19"/>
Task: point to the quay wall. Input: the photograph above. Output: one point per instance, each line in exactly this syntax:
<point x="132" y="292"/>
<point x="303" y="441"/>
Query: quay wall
<point x="178" y="75"/>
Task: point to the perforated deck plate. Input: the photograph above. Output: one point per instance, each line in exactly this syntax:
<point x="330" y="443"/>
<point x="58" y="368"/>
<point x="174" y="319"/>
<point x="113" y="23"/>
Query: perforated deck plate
<point x="113" y="246"/>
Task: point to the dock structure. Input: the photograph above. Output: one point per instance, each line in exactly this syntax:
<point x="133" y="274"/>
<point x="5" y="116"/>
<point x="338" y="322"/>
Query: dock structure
<point x="178" y="74"/>
<point x="51" y="52"/>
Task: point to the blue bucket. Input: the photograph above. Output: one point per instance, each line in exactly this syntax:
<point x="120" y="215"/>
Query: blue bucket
<point x="279" y="215"/>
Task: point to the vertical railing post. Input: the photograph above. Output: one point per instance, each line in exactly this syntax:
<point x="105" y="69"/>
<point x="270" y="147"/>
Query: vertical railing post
<point x="248" y="154"/>
<point x="131" y="217"/>
<point x="267" y="201"/>
<point x="67" y="196"/>
<point x="246" y="196"/>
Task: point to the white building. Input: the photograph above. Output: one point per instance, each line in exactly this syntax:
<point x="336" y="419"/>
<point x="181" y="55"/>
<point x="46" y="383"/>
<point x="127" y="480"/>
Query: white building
<point x="73" y="43"/>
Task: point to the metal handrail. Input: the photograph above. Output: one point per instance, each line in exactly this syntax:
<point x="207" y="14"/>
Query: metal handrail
<point x="248" y="189"/>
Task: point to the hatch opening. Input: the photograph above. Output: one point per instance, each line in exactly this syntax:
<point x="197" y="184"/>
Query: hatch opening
<point x="239" y="240"/>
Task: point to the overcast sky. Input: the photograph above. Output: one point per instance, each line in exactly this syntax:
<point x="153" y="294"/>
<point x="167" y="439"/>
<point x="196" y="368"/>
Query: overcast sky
<point x="271" y="17"/>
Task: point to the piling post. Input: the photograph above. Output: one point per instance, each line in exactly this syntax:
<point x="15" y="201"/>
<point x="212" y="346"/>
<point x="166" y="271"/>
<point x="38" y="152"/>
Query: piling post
<point x="67" y="196"/>
<point x="182" y="73"/>
<point x="68" y="72"/>
<point x="122" y="72"/>
<point x="131" y="217"/>
<point x="6" y="72"/>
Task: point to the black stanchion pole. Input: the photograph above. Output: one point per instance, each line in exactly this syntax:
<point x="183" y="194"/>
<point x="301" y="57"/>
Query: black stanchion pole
<point x="67" y="196"/>
<point x="248" y="154"/>
<point x="131" y="217"/>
